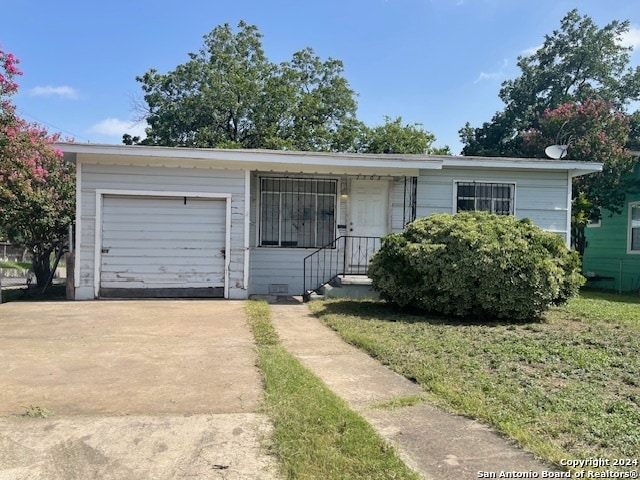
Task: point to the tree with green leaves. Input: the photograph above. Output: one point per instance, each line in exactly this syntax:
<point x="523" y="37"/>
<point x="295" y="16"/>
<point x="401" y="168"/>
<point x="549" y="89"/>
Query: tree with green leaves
<point x="576" y="63"/>
<point x="230" y="95"/>
<point x="37" y="187"/>
<point x="593" y="130"/>
<point x="394" y="137"/>
<point x="576" y="87"/>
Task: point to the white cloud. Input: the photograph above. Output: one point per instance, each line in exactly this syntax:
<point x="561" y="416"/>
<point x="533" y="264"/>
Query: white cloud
<point x="493" y="75"/>
<point x="530" y="51"/>
<point x="631" y="38"/>
<point x="488" y="76"/>
<point x="62" y="91"/>
<point x="114" y="127"/>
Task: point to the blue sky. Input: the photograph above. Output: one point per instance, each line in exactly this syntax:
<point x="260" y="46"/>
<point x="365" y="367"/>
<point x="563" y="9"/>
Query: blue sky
<point x="435" y="62"/>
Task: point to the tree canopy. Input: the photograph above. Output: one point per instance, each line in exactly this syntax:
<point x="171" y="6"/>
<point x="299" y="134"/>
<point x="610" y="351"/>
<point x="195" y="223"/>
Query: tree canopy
<point x="574" y="90"/>
<point x="593" y="129"/>
<point x="578" y="62"/>
<point x="230" y="95"/>
<point x="37" y="188"/>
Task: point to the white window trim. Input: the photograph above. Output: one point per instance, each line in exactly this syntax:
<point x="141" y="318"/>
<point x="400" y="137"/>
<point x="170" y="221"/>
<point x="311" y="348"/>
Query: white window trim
<point x="596" y="224"/>
<point x="592" y="224"/>
<point x="629" y="230"/>
<point x="454" y="206"/>
<point x="258" y="230"/>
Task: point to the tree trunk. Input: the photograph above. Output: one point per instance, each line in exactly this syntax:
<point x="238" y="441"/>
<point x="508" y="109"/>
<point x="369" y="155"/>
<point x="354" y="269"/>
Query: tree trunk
<point x="42" y="267"/>
<point x="579" y="240"/>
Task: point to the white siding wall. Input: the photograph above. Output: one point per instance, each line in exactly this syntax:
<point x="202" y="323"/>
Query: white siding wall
<point x="540" y="196"/>
<point x="152" y="178"/>
<point x="275" y="268"/>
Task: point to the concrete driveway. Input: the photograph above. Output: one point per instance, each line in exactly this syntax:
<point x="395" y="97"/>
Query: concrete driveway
<point x="130" y="389"/>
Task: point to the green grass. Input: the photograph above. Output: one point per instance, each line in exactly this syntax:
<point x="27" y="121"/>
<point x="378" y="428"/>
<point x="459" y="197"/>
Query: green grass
<point x="567" y="386"/>
<point x="316" y="435"/>
<point x="15" y="265"/>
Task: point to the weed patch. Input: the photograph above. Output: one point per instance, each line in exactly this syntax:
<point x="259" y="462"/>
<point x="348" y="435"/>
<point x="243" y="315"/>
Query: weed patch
<point x="36" y="411"/>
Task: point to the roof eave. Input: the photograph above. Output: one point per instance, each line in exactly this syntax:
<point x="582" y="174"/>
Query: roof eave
<point x="264" y="159"/>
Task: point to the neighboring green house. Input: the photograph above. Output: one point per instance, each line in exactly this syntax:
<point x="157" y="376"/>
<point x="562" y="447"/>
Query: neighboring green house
<point x="612" y="257"/>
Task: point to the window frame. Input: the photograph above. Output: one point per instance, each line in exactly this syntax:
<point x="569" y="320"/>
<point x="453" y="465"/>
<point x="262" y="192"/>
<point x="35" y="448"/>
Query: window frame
<point x="630" y="227"/>
<point x="296" y="194"/>
<point x="499" y="183"/>
<point x="594" y="223"/>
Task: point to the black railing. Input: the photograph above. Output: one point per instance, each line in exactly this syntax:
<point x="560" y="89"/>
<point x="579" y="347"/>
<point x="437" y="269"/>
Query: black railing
<point x="346" y="255"/>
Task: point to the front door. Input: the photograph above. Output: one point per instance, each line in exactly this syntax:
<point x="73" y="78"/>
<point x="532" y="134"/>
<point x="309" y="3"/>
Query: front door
<point x="368" y="218"/>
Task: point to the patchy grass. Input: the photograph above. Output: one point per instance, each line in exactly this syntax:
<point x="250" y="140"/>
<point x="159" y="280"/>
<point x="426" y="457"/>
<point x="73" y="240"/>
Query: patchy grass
<point x="316" y="435"/>
<point x="566" y="386"/>
<point x="400" y="402"/>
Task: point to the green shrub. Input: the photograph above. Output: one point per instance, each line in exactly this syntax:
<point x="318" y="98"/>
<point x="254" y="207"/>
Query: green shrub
<point x="475" y="263"/>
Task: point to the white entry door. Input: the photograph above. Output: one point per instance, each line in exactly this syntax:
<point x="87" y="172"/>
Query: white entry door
<point x="368" y="217"/>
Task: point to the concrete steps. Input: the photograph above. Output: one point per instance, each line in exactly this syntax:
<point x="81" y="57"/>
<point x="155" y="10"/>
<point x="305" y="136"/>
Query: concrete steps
<point x="347" y="286"/>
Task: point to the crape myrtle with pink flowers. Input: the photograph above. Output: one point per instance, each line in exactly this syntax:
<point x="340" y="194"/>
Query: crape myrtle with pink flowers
<point x="37" y="187"/>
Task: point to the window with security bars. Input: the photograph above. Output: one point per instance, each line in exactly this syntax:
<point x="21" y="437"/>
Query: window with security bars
<point x="490" y="197"/>
<point x="297" y="212"/>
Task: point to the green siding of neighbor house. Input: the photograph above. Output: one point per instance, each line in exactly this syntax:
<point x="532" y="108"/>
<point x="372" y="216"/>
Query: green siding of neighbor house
<point x="606" y="253"/>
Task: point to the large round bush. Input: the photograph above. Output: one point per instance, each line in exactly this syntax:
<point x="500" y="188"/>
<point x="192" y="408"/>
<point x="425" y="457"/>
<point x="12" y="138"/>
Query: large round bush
<point x="476" y="264"/>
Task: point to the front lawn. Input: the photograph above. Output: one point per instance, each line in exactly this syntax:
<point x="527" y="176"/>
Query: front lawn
<point x="566" y="387"/>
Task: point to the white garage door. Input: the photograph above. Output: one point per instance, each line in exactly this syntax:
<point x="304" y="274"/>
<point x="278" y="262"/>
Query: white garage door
<point x="162" y="247"/>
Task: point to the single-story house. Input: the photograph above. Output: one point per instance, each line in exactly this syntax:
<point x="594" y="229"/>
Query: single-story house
<point x="160" y="221"/>
<point x="612" y="257"/>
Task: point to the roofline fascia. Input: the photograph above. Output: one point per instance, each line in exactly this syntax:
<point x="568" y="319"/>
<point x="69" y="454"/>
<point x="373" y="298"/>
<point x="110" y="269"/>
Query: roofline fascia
<point x="330" y="159"/>
<point x="580" y="168"/>
<point x="409" y="162"/>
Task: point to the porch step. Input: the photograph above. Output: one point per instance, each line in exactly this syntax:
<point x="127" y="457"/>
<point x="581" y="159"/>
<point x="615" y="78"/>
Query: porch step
<point x="344" y="280"/>
<point x="349" y="286"/>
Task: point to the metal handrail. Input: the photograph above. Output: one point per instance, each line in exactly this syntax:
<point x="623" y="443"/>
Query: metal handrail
<point x="346" y="255"/>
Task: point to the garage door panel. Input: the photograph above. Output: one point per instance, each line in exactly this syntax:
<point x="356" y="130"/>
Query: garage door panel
<point x="149" y="218"/>
<point x="162" y="244"/>
<point x="142" y="229"/>
<point x="137" y="281"/>
<point x="121" y="205"/>
<point x="159" y="243"/>
<point x="195" y="269"/>
<point x="134" y="259"/>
